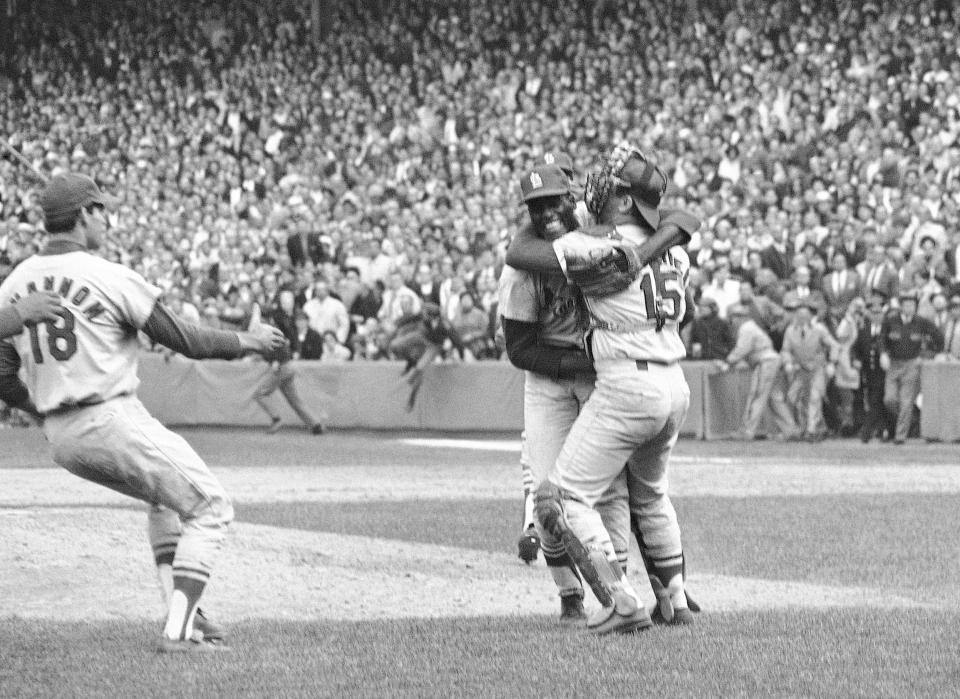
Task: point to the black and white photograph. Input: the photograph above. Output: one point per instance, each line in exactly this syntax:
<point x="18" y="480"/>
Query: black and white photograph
<point x="479" y="348"/>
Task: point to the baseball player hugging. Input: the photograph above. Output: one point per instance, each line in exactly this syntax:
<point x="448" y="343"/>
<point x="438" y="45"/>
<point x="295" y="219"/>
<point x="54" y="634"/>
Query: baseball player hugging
<point x="543" y="323"/>
<point x="633" y="277"/>
<point x="80" y="378"/>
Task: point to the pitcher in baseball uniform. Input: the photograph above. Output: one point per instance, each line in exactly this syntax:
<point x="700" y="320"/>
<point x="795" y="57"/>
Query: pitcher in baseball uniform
<point x="543" y="322"/>
<point x="81" y="380"/>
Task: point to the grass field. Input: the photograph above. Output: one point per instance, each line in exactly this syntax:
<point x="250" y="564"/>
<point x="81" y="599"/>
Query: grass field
<point x="366" y="565"/>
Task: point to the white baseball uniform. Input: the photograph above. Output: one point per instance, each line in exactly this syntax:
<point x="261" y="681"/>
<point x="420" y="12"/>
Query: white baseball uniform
<point x="638" y="406"/>
<point x="82" y="374"/>
<point x="550" y="406"/>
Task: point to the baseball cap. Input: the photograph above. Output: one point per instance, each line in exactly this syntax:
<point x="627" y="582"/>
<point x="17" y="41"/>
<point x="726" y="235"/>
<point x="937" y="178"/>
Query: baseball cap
<point x="646" y="184"/>
<point x="67" y="193"/>
<point x="561" y="160"/>
<point x="544" y="181"/>
<point x="955" y="301"/>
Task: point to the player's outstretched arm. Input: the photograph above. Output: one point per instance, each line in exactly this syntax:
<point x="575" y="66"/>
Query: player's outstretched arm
<point x="195" y="342"/>
<point x="32" y="308"/>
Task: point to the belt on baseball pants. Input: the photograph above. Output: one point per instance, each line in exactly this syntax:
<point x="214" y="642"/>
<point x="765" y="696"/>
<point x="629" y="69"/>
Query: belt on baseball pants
<point x="644" y="364"/>
<point x="65" y="408"/>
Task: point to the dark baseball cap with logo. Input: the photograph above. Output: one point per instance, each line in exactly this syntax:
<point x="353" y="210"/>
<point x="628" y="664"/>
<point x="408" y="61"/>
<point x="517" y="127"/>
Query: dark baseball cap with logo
<point x="544" y="181"/>
<point x="67" y="193"/>
<point x="561" y="160"/>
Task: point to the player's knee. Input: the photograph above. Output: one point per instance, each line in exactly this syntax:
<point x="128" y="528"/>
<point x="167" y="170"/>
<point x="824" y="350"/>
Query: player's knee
<point x="548" y="508"/>
<point x="215" y="513"/>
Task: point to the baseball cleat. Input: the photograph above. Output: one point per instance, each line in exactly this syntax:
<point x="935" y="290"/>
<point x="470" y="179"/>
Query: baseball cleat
<point x="681" y="617"/>
<point x="571" y="609"/>
<point x="275" y="425"/>
<point x="210" y="630"/>
<point x="625" y="615"/>
<point x="528" y="545"/>
<point x="195" y="644"/>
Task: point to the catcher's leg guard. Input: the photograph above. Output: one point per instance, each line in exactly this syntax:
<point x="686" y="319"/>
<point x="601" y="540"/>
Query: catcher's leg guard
<point x="548" y="507"/>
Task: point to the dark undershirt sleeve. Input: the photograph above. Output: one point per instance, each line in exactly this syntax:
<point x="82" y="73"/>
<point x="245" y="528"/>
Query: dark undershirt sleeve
<point x="12" y="390"/>
<point x="10" y="323"/>
<point x="552" y="362"/>
<point x="190" y="340"/>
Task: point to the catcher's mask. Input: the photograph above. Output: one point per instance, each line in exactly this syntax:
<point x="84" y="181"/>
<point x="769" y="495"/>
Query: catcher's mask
<point x="627" y="171"/>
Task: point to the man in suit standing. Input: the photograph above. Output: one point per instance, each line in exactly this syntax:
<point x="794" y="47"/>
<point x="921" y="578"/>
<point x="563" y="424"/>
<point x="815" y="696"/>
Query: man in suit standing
<point x="839" y="288"/>
<point x="802" y="289"/>
<point x="866" y="352"/>
<point x="776" y="256"/>
<point x="877" y="274"/>
<point x="303" y="244"/>
<point x="852" y="246"/>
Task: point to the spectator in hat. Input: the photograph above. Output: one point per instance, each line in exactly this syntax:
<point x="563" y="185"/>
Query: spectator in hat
<point x="905" y="337"/>
<point x="710" y="336"/>
<point x="754" y="349"/>
<point x="808" y="357"/>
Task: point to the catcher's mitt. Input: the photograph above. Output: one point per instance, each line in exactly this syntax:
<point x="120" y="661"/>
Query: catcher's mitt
<point x="605" y="270"/>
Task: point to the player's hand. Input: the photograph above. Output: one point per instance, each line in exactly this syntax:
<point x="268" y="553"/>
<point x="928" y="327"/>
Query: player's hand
<point x="38" y="306"/>
<point x="264" y="339"/>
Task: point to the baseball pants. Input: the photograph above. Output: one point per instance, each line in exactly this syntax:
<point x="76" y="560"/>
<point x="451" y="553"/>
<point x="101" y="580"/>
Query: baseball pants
<point x="634" y="415"/>
<point x="550" y="409"/>
<point x="900" y="393"/>
<point x="118" y="444"/>
<point x="283" y="378"/>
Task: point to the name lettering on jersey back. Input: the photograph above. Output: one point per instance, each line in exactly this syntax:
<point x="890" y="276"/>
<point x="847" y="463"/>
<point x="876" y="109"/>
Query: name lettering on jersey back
<point x="65" y="291"/>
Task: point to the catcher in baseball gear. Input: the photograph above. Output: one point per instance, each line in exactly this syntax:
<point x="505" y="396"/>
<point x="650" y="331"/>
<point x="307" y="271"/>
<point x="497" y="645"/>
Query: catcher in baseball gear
<point x="626" y="171"/>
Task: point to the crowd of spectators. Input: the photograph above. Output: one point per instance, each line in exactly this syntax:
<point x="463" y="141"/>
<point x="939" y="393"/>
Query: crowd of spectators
<point x="355" y="173"/>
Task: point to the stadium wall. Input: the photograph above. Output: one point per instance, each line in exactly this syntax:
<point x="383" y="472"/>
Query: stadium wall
<point x="482" y="396"/>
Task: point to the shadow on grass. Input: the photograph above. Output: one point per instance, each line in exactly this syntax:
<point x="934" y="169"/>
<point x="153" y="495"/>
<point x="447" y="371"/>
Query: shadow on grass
<point x="838" y="653"/>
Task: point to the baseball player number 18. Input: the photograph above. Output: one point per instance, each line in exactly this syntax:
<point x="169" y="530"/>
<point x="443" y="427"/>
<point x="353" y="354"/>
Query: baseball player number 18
<point x="61" y="341"/>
